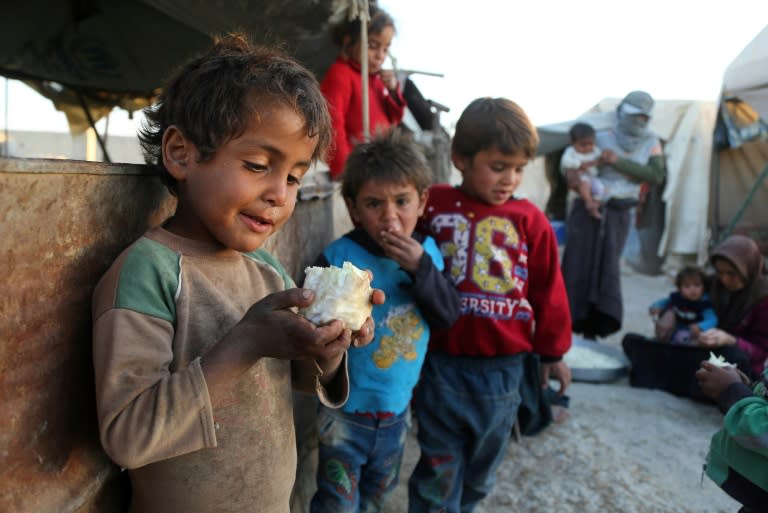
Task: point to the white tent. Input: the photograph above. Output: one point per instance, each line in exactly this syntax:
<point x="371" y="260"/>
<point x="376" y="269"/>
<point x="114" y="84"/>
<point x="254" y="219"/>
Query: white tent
<point x="739" y="202"/>
<point x="716" y="155"/>
<point x="747" y="76"/>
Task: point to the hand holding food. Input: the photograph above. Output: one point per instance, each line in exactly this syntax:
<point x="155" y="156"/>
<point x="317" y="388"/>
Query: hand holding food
<point x="718" y="361"/>
<point x="342" y="293"/>
<point x="715" y="375"/>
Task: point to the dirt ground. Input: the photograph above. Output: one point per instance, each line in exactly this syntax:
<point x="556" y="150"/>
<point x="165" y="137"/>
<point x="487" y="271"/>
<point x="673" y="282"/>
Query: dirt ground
<point x="622" y="450"/>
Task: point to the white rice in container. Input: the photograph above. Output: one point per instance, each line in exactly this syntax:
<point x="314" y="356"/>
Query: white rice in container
<point x="581" y="357"/>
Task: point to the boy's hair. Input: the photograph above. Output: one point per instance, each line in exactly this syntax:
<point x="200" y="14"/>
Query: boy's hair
<point x="212" y="98"/>
<point x="379" y="19"/>
<point x="688" y="272"/>
<point x="390" y="158"/>
<point x="494" y="123"/>
<point x="581" y="131"/>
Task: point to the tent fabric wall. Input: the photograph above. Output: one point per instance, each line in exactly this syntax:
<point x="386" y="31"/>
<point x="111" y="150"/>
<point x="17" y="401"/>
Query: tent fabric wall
<point x="736" y="169"/>
<point x="739" y="168"/>
<point x="685" y="127"/>
<point x="688" y="152"/>
<point x="747" y="76"/>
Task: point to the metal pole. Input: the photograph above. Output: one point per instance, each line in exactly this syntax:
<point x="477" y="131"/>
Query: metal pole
<point x="93" y="126"/>
<point x="364" y="17"/>
<point x="6" y="146"/>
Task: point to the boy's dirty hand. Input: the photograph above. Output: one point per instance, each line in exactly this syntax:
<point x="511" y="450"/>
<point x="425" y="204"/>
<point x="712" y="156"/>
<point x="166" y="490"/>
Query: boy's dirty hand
<point x="713" y="379"/>
<point x="279" y="332"/>
<point x="364" y="335"/>
<point x="402" y="248"/>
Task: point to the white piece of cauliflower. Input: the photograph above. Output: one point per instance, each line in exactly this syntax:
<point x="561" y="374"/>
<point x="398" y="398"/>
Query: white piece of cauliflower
<point x="718" y="361"/>
<point x="342" y="293"/>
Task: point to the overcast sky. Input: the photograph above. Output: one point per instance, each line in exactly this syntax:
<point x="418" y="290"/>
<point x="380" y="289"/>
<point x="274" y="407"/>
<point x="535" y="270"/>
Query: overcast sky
<point x="556" y="58"/>
<point x="559" y="58"/>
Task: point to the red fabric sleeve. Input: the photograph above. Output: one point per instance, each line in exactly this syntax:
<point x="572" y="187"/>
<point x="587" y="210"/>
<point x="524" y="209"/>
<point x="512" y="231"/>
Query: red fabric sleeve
<point x="394" y="104"/>
<point x="546" y="290"/>
<point x="337" y="89"/>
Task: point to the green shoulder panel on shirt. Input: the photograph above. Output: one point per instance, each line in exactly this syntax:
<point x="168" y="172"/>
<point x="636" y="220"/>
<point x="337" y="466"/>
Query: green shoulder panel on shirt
<point x="264" y="256"/>
<point x="149" y="280"/>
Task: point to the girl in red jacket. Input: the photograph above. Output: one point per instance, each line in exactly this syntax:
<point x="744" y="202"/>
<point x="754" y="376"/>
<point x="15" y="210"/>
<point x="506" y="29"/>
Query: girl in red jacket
<point x="342" y="86"/>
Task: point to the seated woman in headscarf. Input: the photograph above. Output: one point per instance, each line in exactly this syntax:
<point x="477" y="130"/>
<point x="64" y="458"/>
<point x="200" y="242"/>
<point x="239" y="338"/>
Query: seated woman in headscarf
<point x="740" y="299"/>
<point x="740" y="296"/>
<point x="631" y="155"/>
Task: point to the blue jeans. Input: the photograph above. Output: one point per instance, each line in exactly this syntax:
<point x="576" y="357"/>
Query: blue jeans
<point x="358" y="461"/>
<point x="465" y="410"/>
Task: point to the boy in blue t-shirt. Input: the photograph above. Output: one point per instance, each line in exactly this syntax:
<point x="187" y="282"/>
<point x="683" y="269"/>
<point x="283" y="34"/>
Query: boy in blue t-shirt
<point x="361" y="445"/>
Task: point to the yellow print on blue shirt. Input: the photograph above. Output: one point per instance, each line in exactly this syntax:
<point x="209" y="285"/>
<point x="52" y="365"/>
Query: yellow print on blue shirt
<point x="406" y="328"/>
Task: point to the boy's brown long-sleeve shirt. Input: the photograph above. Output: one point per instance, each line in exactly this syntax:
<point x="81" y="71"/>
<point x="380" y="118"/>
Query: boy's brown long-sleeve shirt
<point x="163" y="303"/>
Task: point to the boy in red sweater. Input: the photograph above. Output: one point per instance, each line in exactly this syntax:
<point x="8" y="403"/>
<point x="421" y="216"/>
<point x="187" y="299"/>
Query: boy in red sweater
<point x="501" y="254"/>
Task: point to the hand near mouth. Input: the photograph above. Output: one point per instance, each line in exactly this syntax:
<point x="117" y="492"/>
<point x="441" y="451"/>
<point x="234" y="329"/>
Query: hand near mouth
<point x="389" y="78"/>
<point x="403" y="249"/>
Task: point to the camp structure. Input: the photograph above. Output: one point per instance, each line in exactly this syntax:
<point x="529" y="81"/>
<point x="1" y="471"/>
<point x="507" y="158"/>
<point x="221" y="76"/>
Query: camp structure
<point x="717" y="167"/>
<point x="88" y="57"/>
<point x="739" y="201"/>
<point x="672" y="221"/>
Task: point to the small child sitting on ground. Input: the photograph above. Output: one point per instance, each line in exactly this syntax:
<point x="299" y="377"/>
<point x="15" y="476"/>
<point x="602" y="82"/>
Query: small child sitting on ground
<point x="686" y="312"/>
<point x="583" y="155"/>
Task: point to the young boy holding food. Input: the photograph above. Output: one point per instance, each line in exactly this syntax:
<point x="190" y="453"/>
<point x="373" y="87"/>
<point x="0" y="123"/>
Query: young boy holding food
<point x="361" y="444"/>
<point x="195" y="344"/>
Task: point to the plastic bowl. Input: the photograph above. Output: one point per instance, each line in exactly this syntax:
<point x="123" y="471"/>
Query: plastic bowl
<point x="595" y="375"/>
